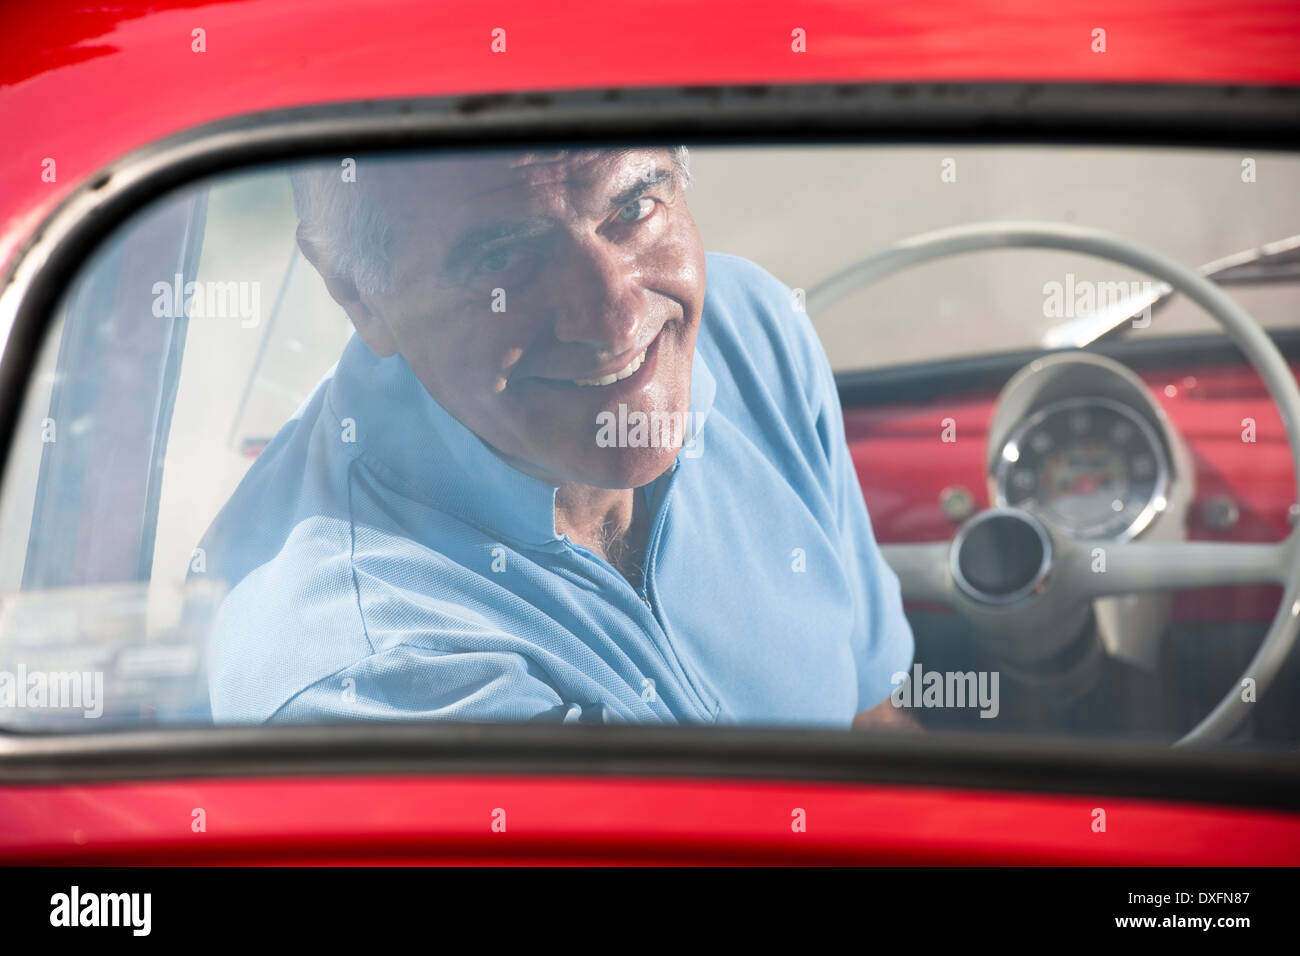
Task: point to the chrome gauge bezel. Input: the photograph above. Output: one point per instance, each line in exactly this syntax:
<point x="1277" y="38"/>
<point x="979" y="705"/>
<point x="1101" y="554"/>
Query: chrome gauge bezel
<point x="1159" y="491"/>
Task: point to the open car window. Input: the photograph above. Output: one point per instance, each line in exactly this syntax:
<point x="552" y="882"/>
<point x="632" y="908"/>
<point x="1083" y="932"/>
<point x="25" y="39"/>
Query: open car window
<point x="558" y="436"/>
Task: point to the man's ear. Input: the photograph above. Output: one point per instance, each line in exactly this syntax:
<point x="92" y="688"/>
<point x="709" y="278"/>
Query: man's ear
<point x="371" y="327"/>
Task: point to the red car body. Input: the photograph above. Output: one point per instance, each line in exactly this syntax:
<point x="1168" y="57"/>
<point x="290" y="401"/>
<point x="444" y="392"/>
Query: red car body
<point x="85" y="87"/>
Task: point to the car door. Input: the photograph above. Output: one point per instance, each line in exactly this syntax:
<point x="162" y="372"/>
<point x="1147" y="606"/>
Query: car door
<point x="142" y="785"/>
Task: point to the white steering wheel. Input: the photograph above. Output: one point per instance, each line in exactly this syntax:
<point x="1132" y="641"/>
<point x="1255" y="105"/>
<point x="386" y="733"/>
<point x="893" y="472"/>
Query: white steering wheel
<point x="1059" y="575"/>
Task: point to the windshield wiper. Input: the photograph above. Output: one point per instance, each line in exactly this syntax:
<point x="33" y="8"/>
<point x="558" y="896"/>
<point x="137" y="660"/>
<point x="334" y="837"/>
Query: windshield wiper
<point x="1273" y="262"/>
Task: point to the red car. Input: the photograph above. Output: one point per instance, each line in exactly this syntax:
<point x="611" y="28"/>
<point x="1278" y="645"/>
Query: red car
<point x="1051" y="254"/>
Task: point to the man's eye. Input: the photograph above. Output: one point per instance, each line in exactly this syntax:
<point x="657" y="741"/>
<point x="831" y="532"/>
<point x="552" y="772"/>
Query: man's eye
<point x="636" y="210"/>
<point x="497" y="261"/>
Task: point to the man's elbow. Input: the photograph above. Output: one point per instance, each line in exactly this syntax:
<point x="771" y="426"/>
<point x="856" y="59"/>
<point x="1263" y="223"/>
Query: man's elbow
<point x="885" y="716"/>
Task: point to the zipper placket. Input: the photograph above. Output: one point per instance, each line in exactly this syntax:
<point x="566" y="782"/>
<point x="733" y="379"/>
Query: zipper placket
<point x="651" y="599"/>
<point x="660" y="638"/>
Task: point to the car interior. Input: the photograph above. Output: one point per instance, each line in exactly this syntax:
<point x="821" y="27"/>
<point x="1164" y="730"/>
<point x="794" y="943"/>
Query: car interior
<point x="1068" y="382"/>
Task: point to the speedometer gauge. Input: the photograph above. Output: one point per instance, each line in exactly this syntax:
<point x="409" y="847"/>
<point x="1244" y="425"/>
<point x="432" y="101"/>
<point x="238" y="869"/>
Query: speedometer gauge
<point x="1092" y="466"/>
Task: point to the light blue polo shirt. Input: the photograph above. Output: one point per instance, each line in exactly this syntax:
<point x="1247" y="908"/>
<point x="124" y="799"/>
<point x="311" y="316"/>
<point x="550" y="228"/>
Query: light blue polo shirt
<point x="385" y="564"/>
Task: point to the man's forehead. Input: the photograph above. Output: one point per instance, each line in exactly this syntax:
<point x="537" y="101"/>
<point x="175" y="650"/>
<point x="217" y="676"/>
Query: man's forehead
<point x="555" y="157"/>
<point x="478" y="177"/>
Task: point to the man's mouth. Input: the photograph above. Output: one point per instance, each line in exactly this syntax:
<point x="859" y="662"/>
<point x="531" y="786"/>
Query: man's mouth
<point x="625" y="376"/>
<point x="627" y="371"/>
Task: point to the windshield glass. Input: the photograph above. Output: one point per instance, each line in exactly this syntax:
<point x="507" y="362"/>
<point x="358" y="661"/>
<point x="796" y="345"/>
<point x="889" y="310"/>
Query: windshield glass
<point x="845" y="203"/>
<point x="556" y="436"/>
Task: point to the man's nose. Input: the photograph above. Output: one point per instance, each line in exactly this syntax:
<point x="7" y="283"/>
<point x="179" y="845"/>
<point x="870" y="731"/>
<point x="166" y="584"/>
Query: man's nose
<point x="600" y="302"/>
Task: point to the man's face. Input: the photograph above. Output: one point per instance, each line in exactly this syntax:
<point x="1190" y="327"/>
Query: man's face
<point x="596" y="270"/>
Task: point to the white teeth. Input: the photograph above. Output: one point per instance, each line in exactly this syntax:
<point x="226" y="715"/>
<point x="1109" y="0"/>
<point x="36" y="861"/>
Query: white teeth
<point x="613" y="377"/>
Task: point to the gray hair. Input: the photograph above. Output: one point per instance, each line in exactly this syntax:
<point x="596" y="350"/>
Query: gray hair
<point x="353" y="233"/>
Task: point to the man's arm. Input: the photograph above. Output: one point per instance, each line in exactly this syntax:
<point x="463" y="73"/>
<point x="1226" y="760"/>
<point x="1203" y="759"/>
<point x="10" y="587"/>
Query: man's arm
<point x="883" y="641"/>
<point x="885" y="716"/>
<point x="415" y="683"/>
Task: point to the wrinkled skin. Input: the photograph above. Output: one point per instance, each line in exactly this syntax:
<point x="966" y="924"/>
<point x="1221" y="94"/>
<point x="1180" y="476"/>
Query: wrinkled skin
<point x="603" y="261"/>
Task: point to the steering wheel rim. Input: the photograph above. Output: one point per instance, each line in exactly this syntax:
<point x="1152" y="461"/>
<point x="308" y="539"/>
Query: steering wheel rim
<point x="1161" y="565"/>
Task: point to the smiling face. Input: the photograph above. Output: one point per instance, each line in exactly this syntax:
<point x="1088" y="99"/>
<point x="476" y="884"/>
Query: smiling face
<point x="533" y="292"/>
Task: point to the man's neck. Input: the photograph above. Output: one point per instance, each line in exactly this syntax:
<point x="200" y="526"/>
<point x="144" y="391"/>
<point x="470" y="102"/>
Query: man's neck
<point x="610" y="522"/>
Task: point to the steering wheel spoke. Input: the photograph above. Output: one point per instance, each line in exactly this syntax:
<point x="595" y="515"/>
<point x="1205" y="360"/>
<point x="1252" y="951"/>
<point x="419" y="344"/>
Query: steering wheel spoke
<point x="922" y="570"/>
<point x="1113" y="568"/>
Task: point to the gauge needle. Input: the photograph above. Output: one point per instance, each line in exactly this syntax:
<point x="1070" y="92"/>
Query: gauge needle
<point x="1085" y="484"/>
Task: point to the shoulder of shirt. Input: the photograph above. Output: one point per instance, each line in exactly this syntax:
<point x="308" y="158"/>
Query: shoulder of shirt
<point x="750" y="313"/>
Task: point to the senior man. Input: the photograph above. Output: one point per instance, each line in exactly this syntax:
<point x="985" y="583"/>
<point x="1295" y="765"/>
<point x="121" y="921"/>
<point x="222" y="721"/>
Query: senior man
<point x="569" y="468"/>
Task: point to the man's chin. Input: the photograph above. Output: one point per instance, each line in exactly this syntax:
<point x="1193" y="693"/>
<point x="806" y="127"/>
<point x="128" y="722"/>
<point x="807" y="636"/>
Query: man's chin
<point x="626" y="467"/>
<point x="610" y="468"/>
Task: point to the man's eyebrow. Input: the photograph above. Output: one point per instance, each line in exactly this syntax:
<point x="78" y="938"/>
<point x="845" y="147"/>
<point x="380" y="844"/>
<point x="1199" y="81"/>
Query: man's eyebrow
<point x="477" y="237"/>
<point x="661" y="175"/>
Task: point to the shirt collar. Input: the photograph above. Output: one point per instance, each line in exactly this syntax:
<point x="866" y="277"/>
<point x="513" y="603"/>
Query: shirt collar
<point x="427" y="452"/>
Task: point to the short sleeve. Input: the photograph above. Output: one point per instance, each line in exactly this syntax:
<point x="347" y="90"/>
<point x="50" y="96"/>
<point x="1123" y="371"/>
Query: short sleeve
<point x="415" y="683"/>
<point x="883" y="644"/>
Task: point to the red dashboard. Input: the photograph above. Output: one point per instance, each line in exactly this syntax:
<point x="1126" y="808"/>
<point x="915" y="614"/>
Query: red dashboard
<point x="905" y="466"/>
